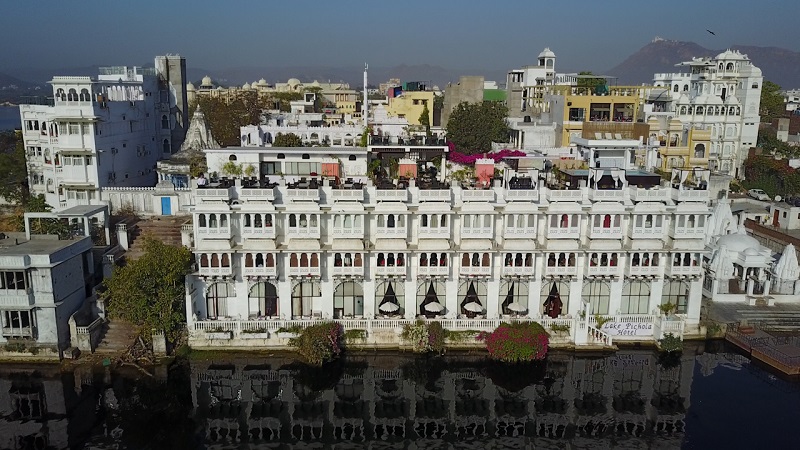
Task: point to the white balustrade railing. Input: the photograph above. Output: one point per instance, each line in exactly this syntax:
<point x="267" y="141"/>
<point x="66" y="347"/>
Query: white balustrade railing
<point x="348" y="232"/>
<point x="598" y="336"/>
<point x="647" y="232"/>
<point x="603" y="270"/>
<point x="258" y="194"/>
<point x="215" y="271"/>
<point x="565" y="195"/>
<point x="563" y="233"/>
<point x="518" y="270"/>
<point x="212" y="193"/>
<point x="687" y="195"/>
<point x="348" y="194"/>
<point x="400" y="232"/>
<point x="530" y="195"/>
<point x="431" y="271"/>
<point x="684" y="270"/>
<point x="561" y="270"/>
<point x="260" y="271"/>
<point x="443" y="232"/>
<point x="644" y="270"/>
<point x="260" y="232"/>
<point x="477" y="195"/>
<point x="650" y="195"/>
<point x="477" y="232"/>
<point x="607" y="194"/>
<point x="605" y="233"/>
<point x="303" y="194"/>
<point x="303" y="271"/>
<point x="398" y="195"/>
<point x="521" y="232"/>
<point x="434" y="195"/>
<point x="476" y="271"/>
<point x="686" y="232"/>
<point x="218" y="232"/>
<point x="390" y="270"/>
<point x="352" y="270"/>
<point x="303" y="232"/>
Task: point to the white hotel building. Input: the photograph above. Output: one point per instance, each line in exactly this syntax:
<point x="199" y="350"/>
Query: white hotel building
<point x="611" y="241"/>
<point x="104" y="132"/>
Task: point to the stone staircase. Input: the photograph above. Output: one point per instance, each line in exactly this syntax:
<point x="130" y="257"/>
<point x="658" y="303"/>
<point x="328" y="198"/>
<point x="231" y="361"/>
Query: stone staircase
<point x="117" y="337"/>
<point x="165" y="229"/>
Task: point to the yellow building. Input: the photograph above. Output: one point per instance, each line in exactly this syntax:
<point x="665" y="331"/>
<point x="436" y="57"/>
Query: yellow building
<point x="572" y="106"/>
<point x="409" y="105"/>
<point x="680" y="147"/>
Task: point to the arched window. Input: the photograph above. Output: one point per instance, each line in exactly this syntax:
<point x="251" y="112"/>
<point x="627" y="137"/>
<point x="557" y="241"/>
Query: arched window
<point x="72" y="95"/>
<point x="303" y="294"/>
<point x="348" y="300"/>
<point x="465" y="261"/>
<point x="515" y="297"/>
<point x="263" y="300"/>
<point x="390" y="298"/>
<point x="201" y="220"/>
<point x="554" y="298"/>
<point x="165" y="147"/>
<point x="675" y="88"/>
<point x="430" y="297"/>
<point x="599" y="294"/>
<point x="164" y="122"/>
<point x="85" y="96"/>
<point x="472" y="298"/>
<point x="699" y="110"/>
<point x="292" y="221"/>
<point x="217" y="299"/>
<point x="677" y="293"/>
<point x="232" y="158"/>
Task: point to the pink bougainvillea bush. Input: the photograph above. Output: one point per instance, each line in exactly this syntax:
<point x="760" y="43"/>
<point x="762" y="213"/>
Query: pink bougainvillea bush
<point x="461" y="158"/>
<point x="516" y="342"/>
<point x="320" y="343"/>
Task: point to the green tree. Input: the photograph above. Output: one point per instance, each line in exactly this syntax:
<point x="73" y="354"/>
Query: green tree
<point x="473" y="127"/>
<point x="425" y="119"/>
<point x="282" y="100"/>
<point x="226" y="119"/>
<point x="53" y="226"/>
<point x="287" y="140"/>
<point x="772" y="106"/>
<point x="591" y="82"/>
<point x="13" y="168"/>
<point x="150" y="292"/>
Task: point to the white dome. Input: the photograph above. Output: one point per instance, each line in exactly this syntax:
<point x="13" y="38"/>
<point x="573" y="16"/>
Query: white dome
<point x="206" y="81"/>
<point x="262" y="82"/>
<point x="246" y="86"/>
<point x="547" y="53"/>
<point x="293" y="82"/>
<point x="752" y="252"/>
<point x="190" y="87"/>
<point x="739" y="243"/>
<point x="731" y="54"/>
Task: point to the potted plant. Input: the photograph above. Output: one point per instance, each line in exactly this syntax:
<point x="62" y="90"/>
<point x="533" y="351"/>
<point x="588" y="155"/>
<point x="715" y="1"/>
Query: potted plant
<point x="667" y="308"/>
<point x="232" y="169"/>
<point x="257" y="333"/>
<point x="249" y="170"/>
<point x="219" y="334"/>
<point x="288" y="332"/>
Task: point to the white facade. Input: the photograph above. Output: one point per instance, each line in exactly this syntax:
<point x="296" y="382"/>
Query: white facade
<point x="43" y="283"/>
<point x="267" y="258"/>
<point x="721" y="93"/>
<point x="101" y="132"/>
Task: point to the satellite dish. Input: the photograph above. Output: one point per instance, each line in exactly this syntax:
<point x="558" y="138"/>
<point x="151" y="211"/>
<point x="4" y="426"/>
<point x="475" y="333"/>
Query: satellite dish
<point x="777" y="198"/>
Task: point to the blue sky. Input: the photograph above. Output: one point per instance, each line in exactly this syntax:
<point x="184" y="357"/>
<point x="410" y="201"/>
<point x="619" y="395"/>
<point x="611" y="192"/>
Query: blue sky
<point x="466" y="34"/>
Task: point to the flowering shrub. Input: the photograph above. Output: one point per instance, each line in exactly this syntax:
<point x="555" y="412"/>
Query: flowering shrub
<point x="318" y="344"/>
<point x="424" y="337"/>
<point x="460" y="158"/>
<point x="516" y="342"/>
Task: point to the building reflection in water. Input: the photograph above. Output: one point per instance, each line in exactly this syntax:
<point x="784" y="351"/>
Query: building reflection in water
<point x="446" y="402"/>
<point x="629" y="399"/>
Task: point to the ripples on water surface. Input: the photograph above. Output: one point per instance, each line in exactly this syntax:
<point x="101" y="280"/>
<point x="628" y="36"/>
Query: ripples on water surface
<point x="709" y="398"/>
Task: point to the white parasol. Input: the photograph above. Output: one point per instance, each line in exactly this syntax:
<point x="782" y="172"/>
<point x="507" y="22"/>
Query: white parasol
<point x="517" y="307"/>
<point x="389" y="307"/>
<point x="473" y="307"/>
<point x="434" y="307"/>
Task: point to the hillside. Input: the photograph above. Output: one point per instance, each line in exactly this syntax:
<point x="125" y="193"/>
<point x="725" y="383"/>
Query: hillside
<point x="779" y="65"/>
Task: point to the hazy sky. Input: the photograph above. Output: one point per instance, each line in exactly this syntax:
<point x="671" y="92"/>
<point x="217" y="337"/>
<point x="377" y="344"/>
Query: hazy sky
<point x="220" y="34"/>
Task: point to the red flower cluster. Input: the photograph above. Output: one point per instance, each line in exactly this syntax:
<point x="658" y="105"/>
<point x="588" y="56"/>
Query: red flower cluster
<point x="517" y="342"/>
<point x="461" y="158"/>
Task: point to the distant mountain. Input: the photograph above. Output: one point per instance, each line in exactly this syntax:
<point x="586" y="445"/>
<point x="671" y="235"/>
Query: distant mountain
<point x="779" y="65"/>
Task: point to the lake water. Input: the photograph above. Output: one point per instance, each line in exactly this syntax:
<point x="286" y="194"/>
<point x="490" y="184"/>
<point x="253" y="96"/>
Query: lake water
<point x="9" y="118"/>
<point x="709" y="398"/>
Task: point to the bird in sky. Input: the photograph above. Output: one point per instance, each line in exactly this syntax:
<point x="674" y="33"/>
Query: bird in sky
<point x="711" y="32"/>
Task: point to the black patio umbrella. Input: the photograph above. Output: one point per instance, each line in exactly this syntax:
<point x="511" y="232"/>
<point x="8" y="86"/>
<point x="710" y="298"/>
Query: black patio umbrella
<point x="389" y="298"/>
